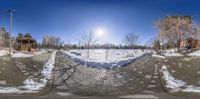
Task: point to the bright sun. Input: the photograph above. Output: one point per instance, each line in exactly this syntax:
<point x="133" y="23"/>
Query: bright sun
<point x="100" y="32"/>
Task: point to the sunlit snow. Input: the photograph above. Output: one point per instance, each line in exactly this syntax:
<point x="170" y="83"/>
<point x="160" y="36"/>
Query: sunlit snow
<point x="106" y="58"/>
<point x="177" y="85"/>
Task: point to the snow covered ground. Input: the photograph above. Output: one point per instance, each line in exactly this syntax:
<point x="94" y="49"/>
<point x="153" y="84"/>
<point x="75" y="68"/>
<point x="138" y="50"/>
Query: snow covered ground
<point x="27" y="54"/>
<point x="158" y="56"/>
<point x="195" y="53"/>
<point x="33" y="85"/>
<point x="172" y="53"/>
<point x="177" y="85"/>
<point x="3" y="52"/>
<point x="167" y="53"/>
<point x="22" y="54"/>
<point x="106" y="58"/>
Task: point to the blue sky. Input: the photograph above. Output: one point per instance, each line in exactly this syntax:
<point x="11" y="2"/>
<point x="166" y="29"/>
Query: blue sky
<point x="69" y="18"/>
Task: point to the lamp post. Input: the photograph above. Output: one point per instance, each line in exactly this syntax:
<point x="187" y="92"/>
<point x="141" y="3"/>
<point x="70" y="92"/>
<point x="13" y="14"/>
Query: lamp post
<point x="10" y="31"/>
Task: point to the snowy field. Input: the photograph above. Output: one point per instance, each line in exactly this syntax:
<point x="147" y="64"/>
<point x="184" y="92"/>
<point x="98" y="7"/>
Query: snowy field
<point x="106" y="58"/>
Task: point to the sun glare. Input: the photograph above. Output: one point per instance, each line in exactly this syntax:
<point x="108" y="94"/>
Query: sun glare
<point x="100" y="32"/>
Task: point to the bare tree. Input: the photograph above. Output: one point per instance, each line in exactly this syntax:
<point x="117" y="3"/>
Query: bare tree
<point x="173" y="29"/>
<point x="131" y="40"/>
<point x="88" y="40"/>
<point x="46" y="41"/>
<point x="150" y="43"/>
<point x="107" y="47"/>
<point x="67" y="45"/>
<point x="52" y="42"/>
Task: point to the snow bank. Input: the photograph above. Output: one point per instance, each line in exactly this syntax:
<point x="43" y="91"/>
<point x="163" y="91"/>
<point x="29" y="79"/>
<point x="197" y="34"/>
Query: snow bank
<point x="33" y="85"/>
<point x="23" y="54"/>
<point x="170" y="80"/>
<point x="172" y="53"/>
<point x="168" y="53"/>
<point x="196" y="53"/>
<point x="158" y="56"/>
<point x="177" y="85"/>
<point x="98" y="57"/>
<point x="191" y="88"/>
<point x="3" y="52"/>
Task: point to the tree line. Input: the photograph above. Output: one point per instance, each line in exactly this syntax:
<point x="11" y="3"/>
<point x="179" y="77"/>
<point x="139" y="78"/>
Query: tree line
<point x="51" y="42"/>
<point x="4" y="38"/>
<point x="87" y="41"/>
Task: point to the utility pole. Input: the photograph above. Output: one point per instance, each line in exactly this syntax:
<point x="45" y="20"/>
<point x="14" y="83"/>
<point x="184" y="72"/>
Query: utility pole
<point x="1" y="38"/>
<point x="10" y="43"/>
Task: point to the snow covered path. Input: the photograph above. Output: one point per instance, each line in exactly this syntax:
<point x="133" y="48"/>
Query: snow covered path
<point x="78" y="79"/>
<point x="34" y="85"/>
<point x="81" y="80"/>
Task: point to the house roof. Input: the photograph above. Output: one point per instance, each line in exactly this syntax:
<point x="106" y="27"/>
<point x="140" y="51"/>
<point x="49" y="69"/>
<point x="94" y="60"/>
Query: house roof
<point x="25" y="39"/>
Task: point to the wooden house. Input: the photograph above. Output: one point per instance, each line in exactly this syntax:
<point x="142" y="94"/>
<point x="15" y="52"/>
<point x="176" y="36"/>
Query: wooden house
<point x="25" y="43"/>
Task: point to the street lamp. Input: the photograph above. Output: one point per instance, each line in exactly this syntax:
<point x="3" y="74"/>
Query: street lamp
<point x="10" y="42"/>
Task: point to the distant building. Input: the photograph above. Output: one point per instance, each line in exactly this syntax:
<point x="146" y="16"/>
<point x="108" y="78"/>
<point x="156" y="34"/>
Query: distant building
<point x="190" y="43"/>
<point x="25" y="43"/>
